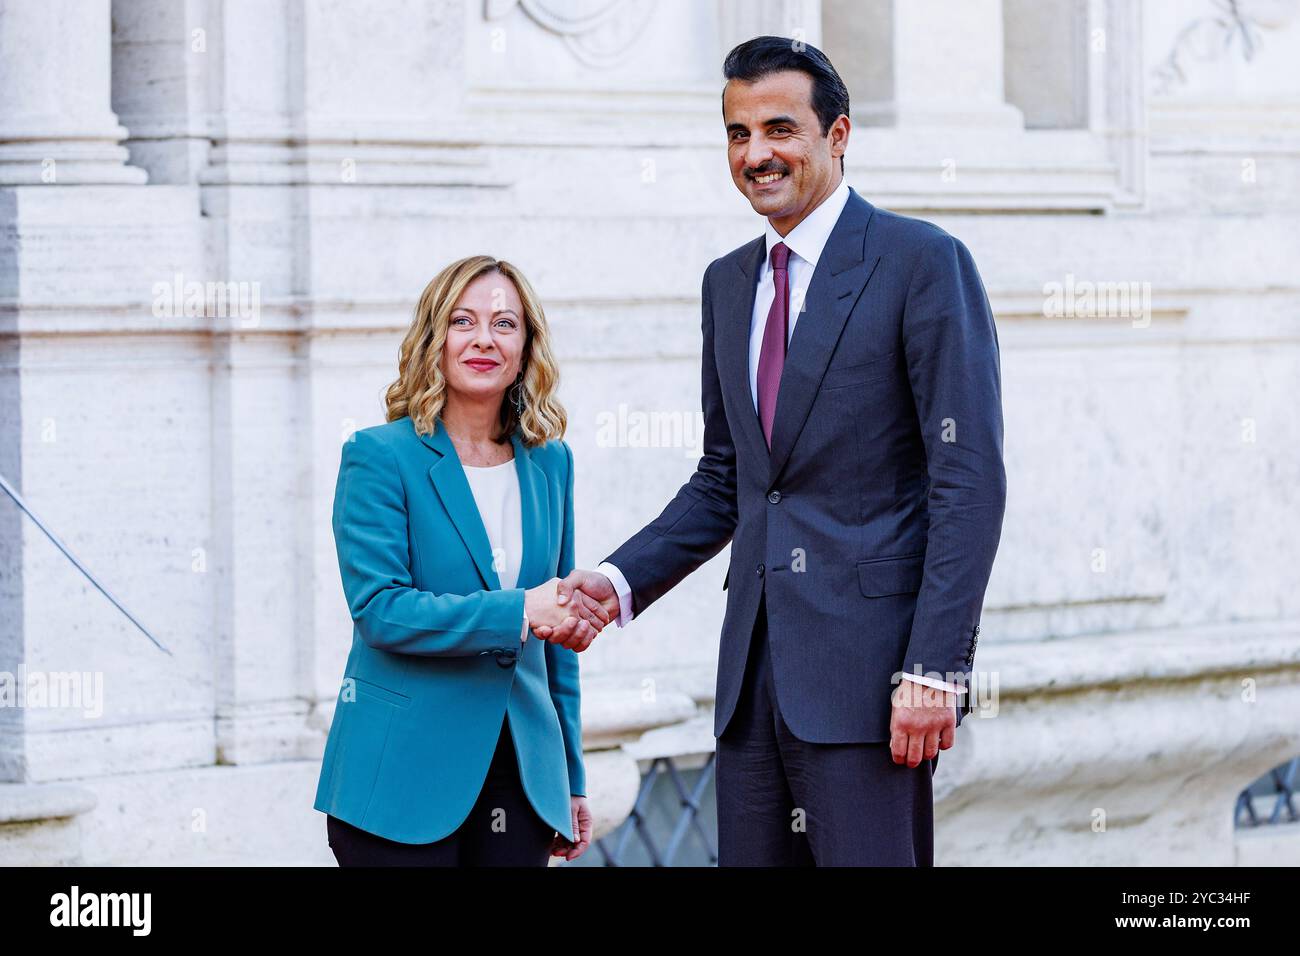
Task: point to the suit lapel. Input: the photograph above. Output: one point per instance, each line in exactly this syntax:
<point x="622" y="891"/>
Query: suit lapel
<point x="733" y="317"/>
<point x="842" y="272"/>
<point x="534" y="504"/>
<point x="448" y="476"/>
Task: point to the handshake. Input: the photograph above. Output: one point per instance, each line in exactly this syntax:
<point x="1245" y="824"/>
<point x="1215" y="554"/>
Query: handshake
<point x="571" y="611"/>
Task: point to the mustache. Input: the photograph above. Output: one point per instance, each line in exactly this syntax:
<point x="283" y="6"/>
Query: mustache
<point x="765" y="169"/>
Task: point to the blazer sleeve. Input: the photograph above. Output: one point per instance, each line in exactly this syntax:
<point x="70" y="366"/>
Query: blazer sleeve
<point x="562" y="662"/>
<point x="702" y="517"/>
<point x="951" y="348"/>
<point x="370" y="535"/>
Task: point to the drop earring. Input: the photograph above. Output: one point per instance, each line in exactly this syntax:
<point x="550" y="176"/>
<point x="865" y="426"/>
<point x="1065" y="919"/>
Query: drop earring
<point x="517" y="397"/>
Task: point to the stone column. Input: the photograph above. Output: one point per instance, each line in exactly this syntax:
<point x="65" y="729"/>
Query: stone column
<point x="921" y="63"/>
<point x="56" y="122"/>
<point x="741" y="20"/>
<point x="163" y="83"/>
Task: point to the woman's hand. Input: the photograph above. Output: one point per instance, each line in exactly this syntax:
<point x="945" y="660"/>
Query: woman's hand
<point x="541" y="606"/>
<point x="581" y="814"/>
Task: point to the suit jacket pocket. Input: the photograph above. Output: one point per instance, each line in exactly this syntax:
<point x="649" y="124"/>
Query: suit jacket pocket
<point x="367" y="689"/>
<point x="893" y="575"/>
<point x="859" y="374"/>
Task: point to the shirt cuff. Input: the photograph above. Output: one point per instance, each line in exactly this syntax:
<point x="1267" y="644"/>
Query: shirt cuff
<point x="934" y="682"/>
<point x="523" y="635"/>
<point x="621" y="589"/>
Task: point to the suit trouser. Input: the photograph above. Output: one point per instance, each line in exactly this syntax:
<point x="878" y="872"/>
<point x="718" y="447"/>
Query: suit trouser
<point x="783" y="801"/>
<point x="502" y="829"/>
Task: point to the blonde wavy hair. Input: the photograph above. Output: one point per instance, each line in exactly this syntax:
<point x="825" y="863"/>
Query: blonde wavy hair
<point x="421" y="389"/>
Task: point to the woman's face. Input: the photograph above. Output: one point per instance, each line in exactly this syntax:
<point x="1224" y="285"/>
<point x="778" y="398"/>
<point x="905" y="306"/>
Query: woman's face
<point x="485" y="339"/>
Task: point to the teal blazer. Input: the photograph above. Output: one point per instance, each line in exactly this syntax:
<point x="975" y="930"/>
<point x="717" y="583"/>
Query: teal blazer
<point x="436" y="663"/>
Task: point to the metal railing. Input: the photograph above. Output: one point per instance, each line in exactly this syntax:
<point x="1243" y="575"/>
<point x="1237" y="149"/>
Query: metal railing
<point x="1278" y="783"/>
<point x="684" y="808"/>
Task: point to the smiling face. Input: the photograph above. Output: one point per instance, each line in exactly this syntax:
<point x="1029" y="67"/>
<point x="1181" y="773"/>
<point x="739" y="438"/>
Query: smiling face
<point x="486" y="335"/>
<point x="778" y="156"/>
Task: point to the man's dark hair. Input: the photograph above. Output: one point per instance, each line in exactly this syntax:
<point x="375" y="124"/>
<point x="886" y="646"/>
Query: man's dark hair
<point x="756" y="58"/>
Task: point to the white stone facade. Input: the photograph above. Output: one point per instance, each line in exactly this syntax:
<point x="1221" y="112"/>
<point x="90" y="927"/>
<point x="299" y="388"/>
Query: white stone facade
<point x="1136" y="164"/>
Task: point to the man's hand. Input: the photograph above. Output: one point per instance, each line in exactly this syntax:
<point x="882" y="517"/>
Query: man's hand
<point x="595" y="591"/>
<point x="922" y="723"/>
<point x="548" y="609"/>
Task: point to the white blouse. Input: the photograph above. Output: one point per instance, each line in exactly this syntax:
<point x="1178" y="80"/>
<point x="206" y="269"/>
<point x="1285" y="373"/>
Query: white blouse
<point x="496" y="493"/>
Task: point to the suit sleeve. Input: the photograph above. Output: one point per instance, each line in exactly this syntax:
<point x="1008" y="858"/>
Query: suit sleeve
<point x="562" y="662"/>
<point x="701" y="518"/>
<point x="951" y="349"/>
<point x="370" y="535"/>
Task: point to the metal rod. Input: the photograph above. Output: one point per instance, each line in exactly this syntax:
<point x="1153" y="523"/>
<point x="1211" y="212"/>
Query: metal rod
<point x="12" y="492"/>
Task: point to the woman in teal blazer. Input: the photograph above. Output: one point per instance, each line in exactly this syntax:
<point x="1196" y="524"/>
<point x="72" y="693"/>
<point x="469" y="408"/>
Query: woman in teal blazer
<point x="456" y="737"/>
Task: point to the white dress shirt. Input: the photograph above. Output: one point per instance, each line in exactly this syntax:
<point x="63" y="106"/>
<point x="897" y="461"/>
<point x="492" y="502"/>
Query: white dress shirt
<point x="496" y="493"/>
<point x="805" y="242"/>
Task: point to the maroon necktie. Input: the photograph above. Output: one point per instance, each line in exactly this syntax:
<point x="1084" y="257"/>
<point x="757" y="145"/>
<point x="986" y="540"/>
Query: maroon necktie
<point x="771" y="357"/>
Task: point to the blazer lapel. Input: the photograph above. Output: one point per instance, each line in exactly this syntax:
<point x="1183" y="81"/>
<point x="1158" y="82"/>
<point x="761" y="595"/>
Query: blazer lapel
<point x="732" y="319"/>
<point x="842" y="272"/>
<point x="448" y="476"/>
<point x="534" y="504"/>
<point x="449" y="481"/>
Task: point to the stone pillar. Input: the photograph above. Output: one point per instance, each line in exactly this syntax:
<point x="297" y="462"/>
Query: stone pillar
<point x="741" y="20"/>
<point x="921" y="63"/>
<point x="163" y="55"/>
<point x="56" y="122"/>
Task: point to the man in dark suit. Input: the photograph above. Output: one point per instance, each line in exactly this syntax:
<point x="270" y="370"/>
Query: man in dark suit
<point x="853" y="458"/>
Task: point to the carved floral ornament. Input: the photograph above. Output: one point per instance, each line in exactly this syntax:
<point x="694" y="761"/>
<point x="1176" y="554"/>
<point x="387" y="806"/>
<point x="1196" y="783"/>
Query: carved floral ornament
<point x="1209" y="37"/>
<point x="597" y="32"/>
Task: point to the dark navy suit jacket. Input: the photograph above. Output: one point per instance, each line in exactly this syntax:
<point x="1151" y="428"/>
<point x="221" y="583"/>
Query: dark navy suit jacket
<point x="873" y="521"/>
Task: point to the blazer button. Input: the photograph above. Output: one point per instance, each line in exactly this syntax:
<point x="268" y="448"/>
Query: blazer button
<point x="759" y="570"/>
<point x="506" y="658"/>
<point x="774" y="497"/>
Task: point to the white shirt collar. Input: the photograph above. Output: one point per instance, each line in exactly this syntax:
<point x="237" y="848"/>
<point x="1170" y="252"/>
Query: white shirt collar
<point x="808" y="239"/>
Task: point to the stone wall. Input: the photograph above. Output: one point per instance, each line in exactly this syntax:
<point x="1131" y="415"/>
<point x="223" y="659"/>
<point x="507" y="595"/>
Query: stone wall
<point x="325" y="159"/>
